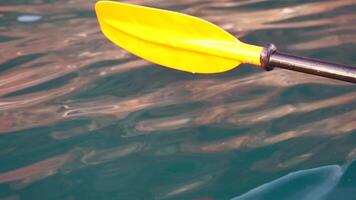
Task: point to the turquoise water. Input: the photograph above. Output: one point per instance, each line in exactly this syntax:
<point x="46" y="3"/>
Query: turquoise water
<point x="83" y="119"/>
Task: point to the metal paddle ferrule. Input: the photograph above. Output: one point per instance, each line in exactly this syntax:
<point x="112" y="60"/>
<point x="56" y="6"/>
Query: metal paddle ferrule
<point x="271" y="58"/>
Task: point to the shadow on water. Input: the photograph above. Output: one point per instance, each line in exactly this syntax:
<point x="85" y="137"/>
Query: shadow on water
<point x="80" y="114"/>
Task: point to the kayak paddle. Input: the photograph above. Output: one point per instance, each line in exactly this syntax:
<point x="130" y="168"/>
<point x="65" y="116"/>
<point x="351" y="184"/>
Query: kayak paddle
<point x="191" y="44"/>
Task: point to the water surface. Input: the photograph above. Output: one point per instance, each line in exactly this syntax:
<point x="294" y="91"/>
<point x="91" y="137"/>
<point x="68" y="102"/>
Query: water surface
<point x="83" y="119"/>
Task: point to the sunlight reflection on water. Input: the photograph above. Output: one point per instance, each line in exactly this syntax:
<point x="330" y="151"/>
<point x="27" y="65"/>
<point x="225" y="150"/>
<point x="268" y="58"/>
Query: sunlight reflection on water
<point x="72" y="103"/>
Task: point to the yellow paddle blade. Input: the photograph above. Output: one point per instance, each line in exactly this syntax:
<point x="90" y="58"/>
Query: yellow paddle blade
<point x="173" y="39"/>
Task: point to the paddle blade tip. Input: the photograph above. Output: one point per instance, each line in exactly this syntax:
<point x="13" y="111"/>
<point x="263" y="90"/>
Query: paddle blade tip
<point x="166" y="38"/>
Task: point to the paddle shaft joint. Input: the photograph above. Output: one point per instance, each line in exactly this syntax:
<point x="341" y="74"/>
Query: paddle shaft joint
<point x="271" y="58"/>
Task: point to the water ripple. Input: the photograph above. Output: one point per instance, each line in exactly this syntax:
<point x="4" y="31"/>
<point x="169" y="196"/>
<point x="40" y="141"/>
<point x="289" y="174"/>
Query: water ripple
<point x="78" y="112"/>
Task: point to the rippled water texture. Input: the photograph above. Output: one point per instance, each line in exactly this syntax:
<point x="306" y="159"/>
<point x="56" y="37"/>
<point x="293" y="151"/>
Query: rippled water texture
<point x="83" y="119"/>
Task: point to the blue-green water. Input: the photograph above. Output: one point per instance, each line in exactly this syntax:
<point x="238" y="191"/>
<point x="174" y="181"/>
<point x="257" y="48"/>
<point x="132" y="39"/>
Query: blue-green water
<point x="83" y="119"/>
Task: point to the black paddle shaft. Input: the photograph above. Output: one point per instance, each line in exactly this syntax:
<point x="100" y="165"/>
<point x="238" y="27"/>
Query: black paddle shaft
<point x="271" y="58"/>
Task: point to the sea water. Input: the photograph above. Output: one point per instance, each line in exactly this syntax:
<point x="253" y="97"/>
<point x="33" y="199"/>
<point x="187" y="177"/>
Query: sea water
<point x="83" y="119"/>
